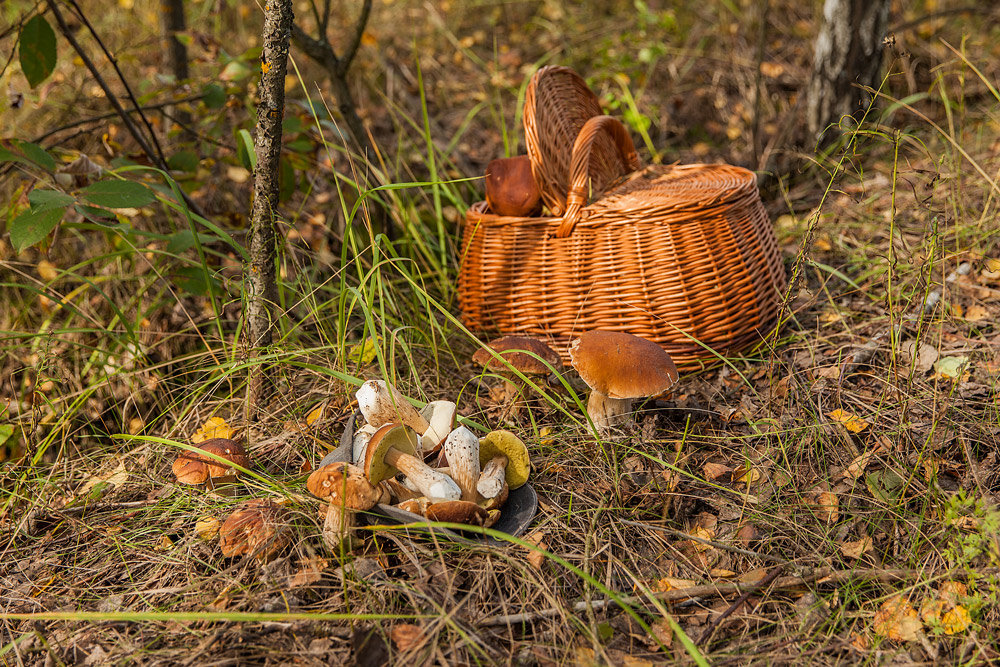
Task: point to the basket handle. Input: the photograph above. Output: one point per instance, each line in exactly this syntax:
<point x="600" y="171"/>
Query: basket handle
<point x="576" y="198"/>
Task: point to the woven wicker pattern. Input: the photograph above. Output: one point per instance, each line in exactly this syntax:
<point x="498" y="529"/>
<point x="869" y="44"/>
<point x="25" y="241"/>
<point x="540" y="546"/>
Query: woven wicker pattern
<point x="667" y="253"/>
<point x="557" y="104"/>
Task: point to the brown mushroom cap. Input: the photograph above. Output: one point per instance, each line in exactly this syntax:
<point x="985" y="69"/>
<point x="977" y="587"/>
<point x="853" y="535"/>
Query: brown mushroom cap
<point x="344" y="485"/>
<point x="513" y="350"/>
<point x="389" y="436"/>
<point x="457" y="511"/>
<point x="511" y="188"/>
<point x="196" y="468"/>
<point x="622" y="366"/>
<point x="258" y="527"/>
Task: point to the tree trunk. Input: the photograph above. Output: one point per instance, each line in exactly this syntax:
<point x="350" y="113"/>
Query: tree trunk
<point x="261" y="283"/>
<point x="175" y="53"/>
<point x="848" y="54"/>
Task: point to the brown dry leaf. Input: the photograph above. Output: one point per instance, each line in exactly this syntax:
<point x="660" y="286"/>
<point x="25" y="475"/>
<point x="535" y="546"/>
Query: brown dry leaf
<point x="672" y="584"/>
<point x="896" y="619"/>
<point x="772" y="70"/>
<point x="215" y="427"/>
<point x="663" y="632"/>
<point x="924" y="354"/>
<point x="851" y="422"/>
<point x="704" y="534"/>
<point x="976" y="313"/>
<point x="535" y="558"/>
<point x="237" y="174"/>
<point x="828" y="372"/>
<point x="407" y="636"/>
<point x="207" y="528"/>
<point x="714" y="471"/>
<point x="721" y="573"/>
<point x="754" y="575"/>
<point x="827" y="507"/>
<point x="953" y="591"/>
<point x="165" y="544"/>
<point x="932" y="466"/>
<point x="857" y="548"/>
<point x="746" y="534"/>
<point x="860" y="641"/>
<point x="309" y="572"/>
<point x="858" y="465"/>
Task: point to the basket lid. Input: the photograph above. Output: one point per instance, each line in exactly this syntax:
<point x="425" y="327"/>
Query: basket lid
<point x="680" y="187"/>
<point x="557" y="104"/>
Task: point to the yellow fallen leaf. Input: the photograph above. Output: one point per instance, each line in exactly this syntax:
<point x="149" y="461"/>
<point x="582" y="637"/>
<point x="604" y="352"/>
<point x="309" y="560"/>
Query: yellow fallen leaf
<point x="207" y="528"/>
<point x="215" y="427"/>
<point x="316" y="414"/>
<point x="47" y="271"/>
<point x="851" y="422"/>
<point x="704" y="534"/>
<point x="751" y="476"/>
<point x="362" y="353"/>
<point x="545" y="435"/>
<point x="671" y="584"/>
<point x="535" y="558"/>
<point x="992" y="264"/>
<point x="955" y="621"/>
<point x="857" y="548"/>
<point x="896" y="619"/>
<point x="721" y="572"/>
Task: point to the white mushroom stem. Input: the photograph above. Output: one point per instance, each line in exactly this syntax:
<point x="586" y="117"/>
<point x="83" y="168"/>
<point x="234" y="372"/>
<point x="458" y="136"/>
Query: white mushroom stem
<point x="608" y="413"/>
<point x="361" y="439"/>
<point x="337" y="527"/>
<point x="462" y="449"/>
<point x="382" y="404"/>
<point x="440" y="416"/>
<point x="492" y="479"/>
<point x="428" y="481"/>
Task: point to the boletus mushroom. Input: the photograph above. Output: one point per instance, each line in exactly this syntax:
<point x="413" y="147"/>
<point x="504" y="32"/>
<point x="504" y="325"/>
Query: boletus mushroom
<point x="449" y="511"/>
<point x="347" y="490"/>
<point x="381" y="404"/>
<point x="200" y="469"/>
<point x="511" y="188"/>
<point x="461" y="448"/>
<point x="504" y="461"/>
<point x="618" y="368"/>
<point x="528" y="356"/>
<point x="258" y="528"/>
<point x="393" y="449"/>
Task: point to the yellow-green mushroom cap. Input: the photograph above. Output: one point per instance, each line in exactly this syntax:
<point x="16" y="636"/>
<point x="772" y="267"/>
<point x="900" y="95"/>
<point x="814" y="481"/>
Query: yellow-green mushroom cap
<point x="511" y="446"/>
<point x="389" y="436"/>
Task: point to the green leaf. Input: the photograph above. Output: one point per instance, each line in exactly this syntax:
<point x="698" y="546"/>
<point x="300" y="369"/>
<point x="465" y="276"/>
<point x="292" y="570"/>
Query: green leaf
<point x="6" y="433"/>
<point x="118" y="194"/>
<point x="31" y="227"/>
<point x="214" y="96"/>
<point x="44" y="200"/>
<point x="101" y="216"/>
<point x="180" y="241"/>
<point x="27" y="153"/>
<point x="245" y="150"/>
<point x="183" y="161"/>
<point x="37" y="50"/>
<point x="193" y="280"/>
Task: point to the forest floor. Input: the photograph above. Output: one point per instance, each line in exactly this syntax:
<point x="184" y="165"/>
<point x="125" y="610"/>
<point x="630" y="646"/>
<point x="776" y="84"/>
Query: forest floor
<point x="828" y="497"/>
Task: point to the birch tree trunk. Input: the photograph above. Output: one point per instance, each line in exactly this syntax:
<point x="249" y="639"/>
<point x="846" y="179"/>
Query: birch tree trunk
<point x="848" y="54"/>
<point x="261" y="283"/>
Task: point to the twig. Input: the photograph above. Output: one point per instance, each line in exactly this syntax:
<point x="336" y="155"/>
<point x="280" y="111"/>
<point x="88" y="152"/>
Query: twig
<point x="159" y="106"/>
<point x="161" y="158"/>
<point x="968" y="9"/>
<point x="113" y="100"/>
<point x="818" y="577"/>
<point x="763" y="583"/>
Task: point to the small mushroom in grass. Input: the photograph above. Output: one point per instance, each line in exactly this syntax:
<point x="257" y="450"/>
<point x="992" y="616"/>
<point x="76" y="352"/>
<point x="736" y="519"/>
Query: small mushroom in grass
<point x="393" y="449"/>
<point x="511" y="188"/>
<point x="462" y="451"/>
<point x="258" y="528"/>
<point x="618" y="368"/>
<point x="198" y="469"/>
<point x="528" y="356"/>
<point x="347" y="490"/>
<point x="504" y="461"/>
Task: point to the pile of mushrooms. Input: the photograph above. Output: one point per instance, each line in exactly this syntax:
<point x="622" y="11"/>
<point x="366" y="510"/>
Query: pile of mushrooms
<point x="467" y="480"/>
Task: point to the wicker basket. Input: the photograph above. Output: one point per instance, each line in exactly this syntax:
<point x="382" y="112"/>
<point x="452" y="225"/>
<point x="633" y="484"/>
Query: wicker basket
<point x="682" y="255"/>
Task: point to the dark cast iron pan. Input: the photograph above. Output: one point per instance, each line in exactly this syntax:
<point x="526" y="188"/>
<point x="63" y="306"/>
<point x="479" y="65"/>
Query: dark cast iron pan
<point x="515" y="516"/>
